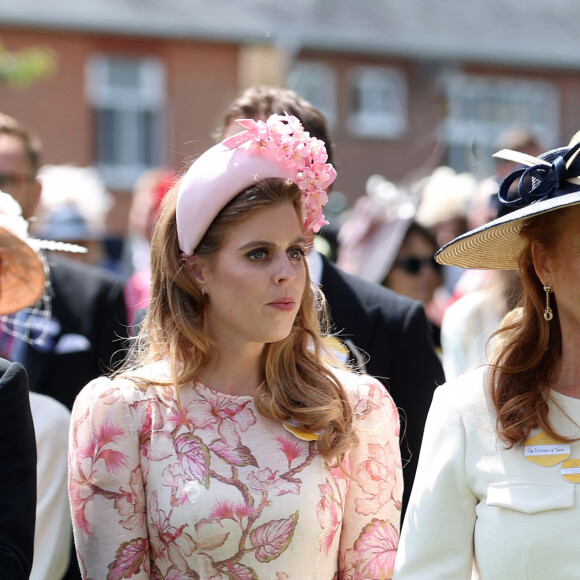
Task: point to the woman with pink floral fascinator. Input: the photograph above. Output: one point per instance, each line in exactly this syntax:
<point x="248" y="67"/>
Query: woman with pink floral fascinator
<point x="235" y="445"/>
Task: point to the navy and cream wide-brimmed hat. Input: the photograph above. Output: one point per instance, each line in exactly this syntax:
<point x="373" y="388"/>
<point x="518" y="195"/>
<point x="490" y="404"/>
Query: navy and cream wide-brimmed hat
<point x="547" y="183"/>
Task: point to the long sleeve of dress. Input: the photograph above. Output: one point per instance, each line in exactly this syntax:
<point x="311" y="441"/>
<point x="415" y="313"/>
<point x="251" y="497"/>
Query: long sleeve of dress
<point x="106" y="485"/>
<point x="372" y="510"/>
<point x="437" y="535"/>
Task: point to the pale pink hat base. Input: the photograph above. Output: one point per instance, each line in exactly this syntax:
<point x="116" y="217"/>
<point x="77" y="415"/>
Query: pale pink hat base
<point x="276" y="148"/>
<point x="212" y="181"/>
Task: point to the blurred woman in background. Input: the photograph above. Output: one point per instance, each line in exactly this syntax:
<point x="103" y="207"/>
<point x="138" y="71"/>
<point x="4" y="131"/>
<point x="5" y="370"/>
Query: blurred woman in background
<point x="381" y="242"/>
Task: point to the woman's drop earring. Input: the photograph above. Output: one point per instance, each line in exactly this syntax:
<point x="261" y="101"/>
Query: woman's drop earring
<point x="202" y="291"/>
<point x="548" y="314"/>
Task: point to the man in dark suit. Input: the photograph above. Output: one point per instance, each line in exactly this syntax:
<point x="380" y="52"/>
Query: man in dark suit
<point x="17" y="474"/>
<point x="393" y="334"/>
<point x="386" y="331"/>
<point x="84" y="336"/>
<point x="89" y="316"/>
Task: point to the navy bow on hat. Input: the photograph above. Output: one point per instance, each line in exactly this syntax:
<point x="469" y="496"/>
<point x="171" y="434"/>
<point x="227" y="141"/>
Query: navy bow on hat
<point x="547" y="179"/>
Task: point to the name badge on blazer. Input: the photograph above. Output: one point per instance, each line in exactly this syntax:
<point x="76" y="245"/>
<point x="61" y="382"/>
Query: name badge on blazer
<point x="570" y="470"/>
<point x="545" y="450"/>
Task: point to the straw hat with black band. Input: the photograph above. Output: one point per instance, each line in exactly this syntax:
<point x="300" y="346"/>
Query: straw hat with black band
<point x="547" y="183"/>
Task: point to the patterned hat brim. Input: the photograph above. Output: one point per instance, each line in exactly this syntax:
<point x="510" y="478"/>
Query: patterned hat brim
<point x="497" y="245"/>
<point x="22" y="274"/>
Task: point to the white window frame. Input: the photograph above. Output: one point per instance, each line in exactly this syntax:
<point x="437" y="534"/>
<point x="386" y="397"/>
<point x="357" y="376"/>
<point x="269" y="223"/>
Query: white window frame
<point x="481" y="108"/>
<point x="376" y="116"/>
<point x="147" y="95"/>
<point x="316" y="82"/>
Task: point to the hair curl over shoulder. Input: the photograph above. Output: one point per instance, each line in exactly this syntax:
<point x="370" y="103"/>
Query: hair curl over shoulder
<point x="297" y="382"/>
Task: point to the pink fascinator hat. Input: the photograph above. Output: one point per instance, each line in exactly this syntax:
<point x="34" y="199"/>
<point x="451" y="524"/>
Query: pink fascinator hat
<point x="278" y="148"/>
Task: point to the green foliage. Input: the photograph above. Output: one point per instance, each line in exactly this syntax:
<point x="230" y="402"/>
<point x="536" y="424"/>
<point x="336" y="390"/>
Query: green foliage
<point x="22" y="68"/>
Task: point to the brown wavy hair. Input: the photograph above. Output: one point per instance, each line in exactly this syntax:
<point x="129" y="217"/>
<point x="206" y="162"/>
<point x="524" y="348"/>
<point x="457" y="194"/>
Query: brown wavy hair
<point x="527" y="361"/>
<point x="297" y="381"/>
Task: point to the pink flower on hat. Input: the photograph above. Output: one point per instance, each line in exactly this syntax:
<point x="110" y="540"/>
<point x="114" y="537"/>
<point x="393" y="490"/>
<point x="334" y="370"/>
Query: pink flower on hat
<point x="283" y="137"/>
<point x="317" y="151"/>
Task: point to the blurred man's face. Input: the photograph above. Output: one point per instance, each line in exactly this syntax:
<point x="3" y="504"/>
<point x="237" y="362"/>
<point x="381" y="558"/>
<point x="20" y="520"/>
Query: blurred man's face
<point x="16" y="176"/>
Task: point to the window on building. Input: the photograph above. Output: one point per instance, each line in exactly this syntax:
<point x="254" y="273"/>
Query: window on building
<point x="316" y="83"/>
<point x="378" y="103"/>
<point x="127" y="95"/>
<point x="480" y="109"/>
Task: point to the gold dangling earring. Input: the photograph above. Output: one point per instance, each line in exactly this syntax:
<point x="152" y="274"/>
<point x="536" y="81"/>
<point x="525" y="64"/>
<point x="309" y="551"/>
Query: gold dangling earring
<point x="548" y="314"/>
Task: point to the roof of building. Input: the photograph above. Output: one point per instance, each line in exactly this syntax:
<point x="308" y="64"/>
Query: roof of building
<point x="514" y="32"/>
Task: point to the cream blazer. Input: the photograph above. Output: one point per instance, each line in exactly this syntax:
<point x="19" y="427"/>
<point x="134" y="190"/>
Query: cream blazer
<point x="478" y="510"/>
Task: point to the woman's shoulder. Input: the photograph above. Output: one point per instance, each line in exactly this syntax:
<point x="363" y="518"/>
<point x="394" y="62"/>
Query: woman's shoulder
<point x="144" y="383"/>
<point x="364" y="391"/>
<point x="467" y="393"/>
<point x="355" y="382"/>
<point x="466" y="385"/>
<point x="375" y="414"/>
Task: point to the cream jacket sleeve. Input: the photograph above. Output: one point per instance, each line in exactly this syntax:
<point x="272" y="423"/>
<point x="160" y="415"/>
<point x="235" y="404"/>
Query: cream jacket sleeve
<point x="53" y="531"/>
<point x="437" y="535"/>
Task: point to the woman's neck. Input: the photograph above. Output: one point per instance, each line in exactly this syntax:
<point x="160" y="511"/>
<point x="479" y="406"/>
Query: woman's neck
<point x="568" y="380"/>
<point x="234" y="371"/>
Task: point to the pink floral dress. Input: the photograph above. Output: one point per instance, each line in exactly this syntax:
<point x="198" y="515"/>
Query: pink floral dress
<point x="212" y="489"/>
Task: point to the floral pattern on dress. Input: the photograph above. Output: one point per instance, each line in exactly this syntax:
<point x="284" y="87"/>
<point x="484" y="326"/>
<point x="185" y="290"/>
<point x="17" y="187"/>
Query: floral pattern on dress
<point x="211" y="489"/>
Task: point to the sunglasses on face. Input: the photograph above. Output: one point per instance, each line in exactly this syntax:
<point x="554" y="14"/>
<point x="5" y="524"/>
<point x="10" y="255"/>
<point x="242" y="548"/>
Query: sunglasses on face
<point x="8" y="180"/>
<point x="413" y="264"/>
